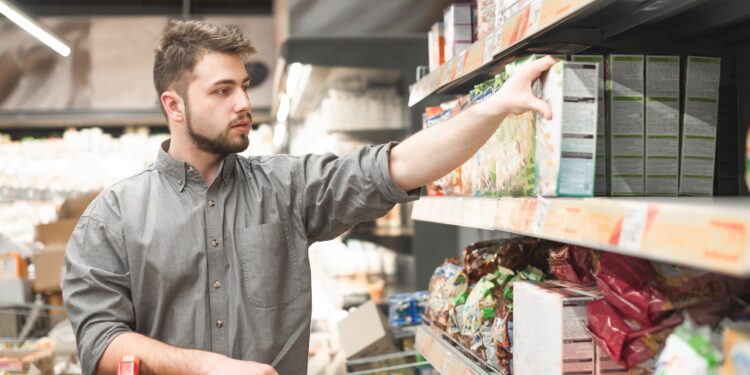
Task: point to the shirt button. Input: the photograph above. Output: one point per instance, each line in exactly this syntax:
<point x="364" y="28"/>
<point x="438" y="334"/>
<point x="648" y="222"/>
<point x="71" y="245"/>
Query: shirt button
<point x="219" y="323"/>
<point x="217" y="284"/>
<point x="215" y="243"/>
<point x="211" y="203"/>
<point x="179" y="182"/>
<point x="190" y="169"/>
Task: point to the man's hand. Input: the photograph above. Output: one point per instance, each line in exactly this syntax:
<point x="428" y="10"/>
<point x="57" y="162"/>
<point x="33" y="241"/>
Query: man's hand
<point x="516" y="95"/>
<point x="224" y="365"/>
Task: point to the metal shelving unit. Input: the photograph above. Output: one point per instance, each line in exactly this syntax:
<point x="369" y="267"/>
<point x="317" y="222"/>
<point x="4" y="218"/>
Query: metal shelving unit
<point x="706" y="233"/>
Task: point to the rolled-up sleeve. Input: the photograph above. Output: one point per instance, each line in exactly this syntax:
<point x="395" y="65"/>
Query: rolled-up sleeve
<point x="339" y="192"/>
<point x="96" y="289"/>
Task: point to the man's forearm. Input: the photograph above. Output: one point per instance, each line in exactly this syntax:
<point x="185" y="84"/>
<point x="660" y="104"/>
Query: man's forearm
<point x="156" y="357"/>
<point x="435" y="151"/>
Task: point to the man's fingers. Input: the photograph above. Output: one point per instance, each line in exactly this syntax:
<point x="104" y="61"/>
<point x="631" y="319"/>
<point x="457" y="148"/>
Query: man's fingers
<point x="539" y="66"/>
<point x="541" y="107"/>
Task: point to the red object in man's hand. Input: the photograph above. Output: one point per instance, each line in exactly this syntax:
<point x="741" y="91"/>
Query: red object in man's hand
<point x="129" y="365"/>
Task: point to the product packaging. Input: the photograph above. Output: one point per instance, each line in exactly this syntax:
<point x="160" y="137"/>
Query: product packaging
<point x="625" y="124"/>
<point x="689" y="351"/>
<point x="699" y="120"/>
<point x="565" y="160"/>
<point x="601" y="185"/>
<point x="457" y="21"/>
<point x="549" y="335"/>
<point x="436" y="45"/>
<point x="662" y="125"/>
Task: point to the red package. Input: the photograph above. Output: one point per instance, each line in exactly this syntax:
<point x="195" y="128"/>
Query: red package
<point x="572" y="263"/>
<point x="630" y="285"/>
<point x="625" y="341"/>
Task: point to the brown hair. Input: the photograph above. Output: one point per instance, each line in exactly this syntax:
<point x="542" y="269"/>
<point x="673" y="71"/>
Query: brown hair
<point x="184" y="44"/>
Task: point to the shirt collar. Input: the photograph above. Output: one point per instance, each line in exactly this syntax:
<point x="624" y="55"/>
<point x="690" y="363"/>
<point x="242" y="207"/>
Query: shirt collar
<point x="179" y="172"/>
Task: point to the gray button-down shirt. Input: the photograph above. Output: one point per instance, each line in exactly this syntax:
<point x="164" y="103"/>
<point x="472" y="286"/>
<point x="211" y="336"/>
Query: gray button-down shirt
<point x="222" y="268"/>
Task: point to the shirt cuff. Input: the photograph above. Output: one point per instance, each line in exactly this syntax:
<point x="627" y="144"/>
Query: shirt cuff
<point x="384" y="181"/>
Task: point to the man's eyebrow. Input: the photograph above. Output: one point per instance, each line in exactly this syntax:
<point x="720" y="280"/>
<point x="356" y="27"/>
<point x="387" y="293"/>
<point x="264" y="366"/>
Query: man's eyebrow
<point x="229" y="81"/>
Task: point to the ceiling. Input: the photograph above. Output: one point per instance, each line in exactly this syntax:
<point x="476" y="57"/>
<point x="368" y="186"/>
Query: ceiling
<point x="142" y="7"/>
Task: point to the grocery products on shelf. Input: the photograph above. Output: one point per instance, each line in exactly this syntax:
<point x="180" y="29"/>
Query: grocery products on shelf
<point x="625" y="105"/>
<point x="662" y="125"/>
<point x="587" y="311"/>
<point x="622" y="141"/>
<point x="699" y="121"/>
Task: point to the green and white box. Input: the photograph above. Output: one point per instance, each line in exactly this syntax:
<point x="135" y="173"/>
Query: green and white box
<point x="566" y="144"/>
<point x="625" y="102"/>
<point x="600" y="180"/>
<point x="699" y="121"/>
<point x="662" y="125"/>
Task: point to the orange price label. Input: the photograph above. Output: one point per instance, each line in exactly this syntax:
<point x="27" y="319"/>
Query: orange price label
<point x="725" y="240"/>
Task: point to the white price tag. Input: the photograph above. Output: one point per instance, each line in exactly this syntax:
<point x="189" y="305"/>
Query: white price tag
<point x="540" y="215"/>
<point x="489" y="48"/>
<point x="633" y="227"/>
<point x="447" y="362"/>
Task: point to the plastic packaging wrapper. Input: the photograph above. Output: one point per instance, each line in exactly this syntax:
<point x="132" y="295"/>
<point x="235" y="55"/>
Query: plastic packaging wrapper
<point x="689" y="350"/>
<point x="437" y="298"/>
<point x="630" y="286"/>
<point x="627" y="342"/>
<point x="406" y="309"/>
<point x="481" y="258"/>
<point x="572" y="263"/>
<point x="687" y="287"/>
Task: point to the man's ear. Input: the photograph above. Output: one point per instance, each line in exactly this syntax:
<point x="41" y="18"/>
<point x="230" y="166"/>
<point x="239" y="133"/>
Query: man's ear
<point x="173" y="106"/>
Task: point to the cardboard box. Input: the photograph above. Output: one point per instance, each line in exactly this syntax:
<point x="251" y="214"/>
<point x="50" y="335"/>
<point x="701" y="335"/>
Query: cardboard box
<point x="23" y="362"/>
<point x="550" y="319"/>
<point x="601" y="185"/>
<point x="49" y="262"/>
<point x="57" y="233"/>
<point x="49" y="265"/>
<point x="699" y="120"/>
<point x="565" y="162"/>
<point x="364" y="333"/>
<point x="74" y="207"/>
<point x="15" y="291"/>
<point x="625" y="103"/>
<point x="485" y="18"/>
<point x="436" y="46"/>
<point x="458" y="29"/>
<point x="662" y="125"/>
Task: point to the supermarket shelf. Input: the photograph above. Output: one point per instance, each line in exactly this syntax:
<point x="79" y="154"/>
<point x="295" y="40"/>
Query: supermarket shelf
<point x="707" y="233"/>
<point x="535" y="18"/>
<point x="446" y="357"/>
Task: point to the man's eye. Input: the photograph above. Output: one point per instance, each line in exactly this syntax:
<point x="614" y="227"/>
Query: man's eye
<point x="222" y="91"/>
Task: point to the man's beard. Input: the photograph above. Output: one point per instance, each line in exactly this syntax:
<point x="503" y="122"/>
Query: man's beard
<point x="222" y="144"/>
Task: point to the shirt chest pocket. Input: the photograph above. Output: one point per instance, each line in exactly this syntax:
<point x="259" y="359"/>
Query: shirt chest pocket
<point x="270" y="268"/>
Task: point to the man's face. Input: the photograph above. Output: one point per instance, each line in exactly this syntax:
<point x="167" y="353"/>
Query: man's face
<point x="217" y="105"/>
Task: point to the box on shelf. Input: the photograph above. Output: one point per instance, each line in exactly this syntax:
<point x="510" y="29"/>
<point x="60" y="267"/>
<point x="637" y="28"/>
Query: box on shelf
<point x="699" y="120"/>
<point x="485" y="18"/>
<point x="364" y="333"/>
<point x="458" y="29"/>
<point x="73" y="207"/>
<point x="49" y="262"/>
<point x="625" y="104"/>
<point x="662" y="124"/>
<point x="601" y="185"/>
<point x="550" y="318"/>
<point x="15" y="291"/>
<point x="565" y="162"/>
<point x="436" y="46"/>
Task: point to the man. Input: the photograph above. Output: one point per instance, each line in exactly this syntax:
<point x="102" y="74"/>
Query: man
<point x="199" y="263"/>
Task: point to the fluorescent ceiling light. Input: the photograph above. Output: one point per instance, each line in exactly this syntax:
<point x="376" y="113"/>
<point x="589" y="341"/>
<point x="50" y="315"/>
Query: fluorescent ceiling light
<point x="32" y="27"/>
<point x="283" y="112"/>
<point x="297" y="76"/>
